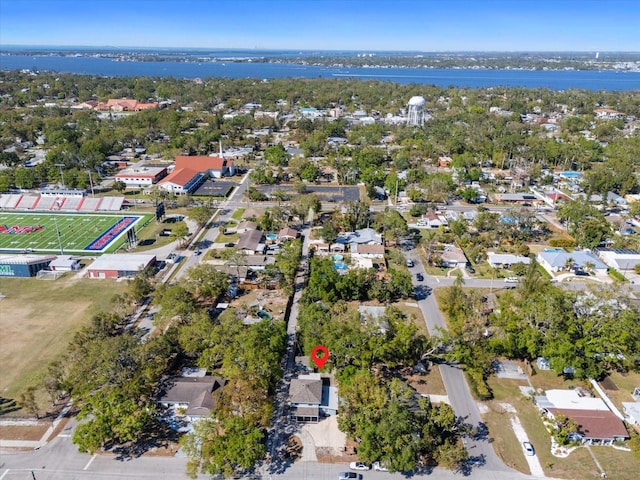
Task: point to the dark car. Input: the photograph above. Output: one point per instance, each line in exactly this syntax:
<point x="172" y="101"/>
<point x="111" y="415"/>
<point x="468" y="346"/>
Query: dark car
<point x="230" y="244"/>
<point x="470" y="268"/>
<point x="349" y="476"/>
<point x="419" y="277"/>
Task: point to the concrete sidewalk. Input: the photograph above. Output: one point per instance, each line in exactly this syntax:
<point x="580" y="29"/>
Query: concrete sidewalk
<point x="35" y="444"/>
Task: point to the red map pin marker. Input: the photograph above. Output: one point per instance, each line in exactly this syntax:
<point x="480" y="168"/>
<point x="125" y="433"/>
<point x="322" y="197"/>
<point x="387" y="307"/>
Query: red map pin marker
<point x="320" y="361"/>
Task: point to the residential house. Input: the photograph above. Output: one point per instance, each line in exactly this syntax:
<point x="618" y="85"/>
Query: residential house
<point x="251" y="242"/>
<point x="288" y="233"/>
<point x="367" y="251"/>
<point x="516" y="198"/>
<point x="506" y="260"/>
<point x="597" y="424"/>
<point x="245" y="226"/>
<point x="433" y="220"/>
<point x="256" y="263"/>
<point x="554" y="260"/>
<point x="453" y="257"/>
<point x="622" y="259"/>
<point x="615" y="199"/>
<point x="631" y="412"/>
<point x="311" y="397"/>
<point x="124" y="105"/>
<point x="197" y="396"/>
<point x="607" y="114"/>
<point x="364" y="236"/>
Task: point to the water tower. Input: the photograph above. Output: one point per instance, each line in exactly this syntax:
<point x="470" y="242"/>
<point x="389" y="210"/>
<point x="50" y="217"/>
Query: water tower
<point x="415" y="111"/>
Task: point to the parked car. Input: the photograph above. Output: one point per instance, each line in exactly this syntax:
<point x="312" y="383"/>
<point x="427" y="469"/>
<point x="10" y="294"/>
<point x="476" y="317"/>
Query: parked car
<point x="197" y="252"/>
<point x="511" y="280"/>
<point x="409" y="263"/>
<point x="379" y="467"/>
<point x="470" y="268"/>
<point x="230" y="244"/>
<point x="349" y="476"/>
<point x="358" y="466"/>
<point x="528" y="448"/>
<point x="419" y="277"/>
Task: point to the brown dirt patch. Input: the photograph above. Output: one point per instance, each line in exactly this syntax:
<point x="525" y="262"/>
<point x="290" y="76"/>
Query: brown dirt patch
<point x="608" y="384"/>
<point x="23" y="432"/>
<point x="329" y="455"/>
<point x="272" y="301"/>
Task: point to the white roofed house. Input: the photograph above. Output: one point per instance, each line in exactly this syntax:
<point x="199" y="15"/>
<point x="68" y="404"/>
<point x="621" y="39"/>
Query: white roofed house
<point x="364" y="236"/>
<point x="506" y="260"/>
<point x="555" y="260"/>
<point x="624" y="260"/>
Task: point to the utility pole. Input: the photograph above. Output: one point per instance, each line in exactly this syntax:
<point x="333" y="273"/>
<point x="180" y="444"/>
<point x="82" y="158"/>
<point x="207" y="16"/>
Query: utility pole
<point x="91" y="183"/>
<point x="60" y="165"/>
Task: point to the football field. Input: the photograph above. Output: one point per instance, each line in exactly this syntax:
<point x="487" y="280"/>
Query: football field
<point x="74" y="233"/>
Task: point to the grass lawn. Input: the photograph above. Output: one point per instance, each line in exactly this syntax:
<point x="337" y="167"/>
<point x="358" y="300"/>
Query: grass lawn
<point x="578" y="465"/>
<point x="625" y="383"/>
<point x="149" y="237"/>
<point x="76" y="232"/>
<point x="38" y="320"/>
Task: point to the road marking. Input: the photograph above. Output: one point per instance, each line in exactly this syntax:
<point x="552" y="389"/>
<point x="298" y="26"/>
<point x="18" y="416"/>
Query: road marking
<point x="89" y="462"/>
<point x="4" y="474"/>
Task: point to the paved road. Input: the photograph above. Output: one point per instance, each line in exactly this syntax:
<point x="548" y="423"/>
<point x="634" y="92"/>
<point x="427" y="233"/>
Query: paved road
<point x="60" y="461"/>
<point x="453" y="377"/>
<point x="221" y="216"/>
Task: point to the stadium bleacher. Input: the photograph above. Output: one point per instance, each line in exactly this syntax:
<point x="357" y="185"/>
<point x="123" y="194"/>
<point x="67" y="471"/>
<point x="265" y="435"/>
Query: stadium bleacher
<point x="27" y="202"/>
<point x="9" y="201"/>
<point x="16" y="201"/>
<point x="72" y="204"/>
<point x="46" y="203"/>
<point x="90" y="204"/>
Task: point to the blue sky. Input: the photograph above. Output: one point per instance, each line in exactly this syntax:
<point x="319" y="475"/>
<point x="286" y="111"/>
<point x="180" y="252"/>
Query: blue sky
<point x="367" y="25"/>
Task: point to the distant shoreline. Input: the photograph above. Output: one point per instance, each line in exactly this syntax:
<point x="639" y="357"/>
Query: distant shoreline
<point x="532" y="61"/>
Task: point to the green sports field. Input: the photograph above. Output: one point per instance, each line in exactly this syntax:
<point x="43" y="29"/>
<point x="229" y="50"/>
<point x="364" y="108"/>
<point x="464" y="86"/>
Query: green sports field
<point x="79" y="233"/>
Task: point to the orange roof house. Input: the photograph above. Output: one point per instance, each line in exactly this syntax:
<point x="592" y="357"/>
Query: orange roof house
<point x="124" y="105"/>
<point x="216" y="167"/>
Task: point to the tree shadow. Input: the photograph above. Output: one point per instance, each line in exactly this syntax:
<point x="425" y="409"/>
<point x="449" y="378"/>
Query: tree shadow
<point x="8" y="405"/>
<point x="158" y="435"/>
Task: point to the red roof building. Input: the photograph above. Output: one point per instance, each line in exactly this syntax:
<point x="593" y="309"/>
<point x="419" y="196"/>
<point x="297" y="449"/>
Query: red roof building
<point x="595" y="426"/>
<point x="216" y="167"/>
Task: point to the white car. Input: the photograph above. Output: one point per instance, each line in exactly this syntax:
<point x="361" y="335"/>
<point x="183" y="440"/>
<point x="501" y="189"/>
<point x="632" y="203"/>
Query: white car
<point x="528" y="449"/>
<point x="358" y="466"/>
<point x="379" y="467"/>
<point x="511" y="280"/>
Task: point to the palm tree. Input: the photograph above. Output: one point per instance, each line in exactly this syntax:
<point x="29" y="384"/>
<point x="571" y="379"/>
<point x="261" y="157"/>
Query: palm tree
<point x="589" y="267"/>
<point x="569" y="263"/>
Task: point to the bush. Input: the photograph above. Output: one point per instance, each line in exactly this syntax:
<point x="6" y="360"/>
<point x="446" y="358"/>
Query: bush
<point x="616" y="275"/>
<point x="478" y="385"/>
<point x="562" y="243"/>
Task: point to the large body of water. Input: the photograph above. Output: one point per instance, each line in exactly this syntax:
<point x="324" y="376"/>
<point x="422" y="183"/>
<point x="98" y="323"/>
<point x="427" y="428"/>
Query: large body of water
<point x="475" y="78"/>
